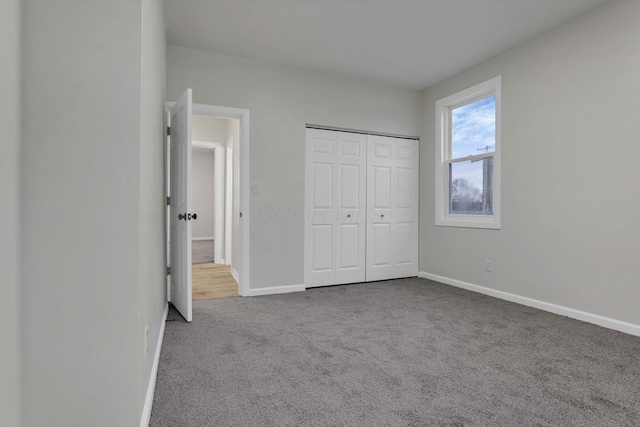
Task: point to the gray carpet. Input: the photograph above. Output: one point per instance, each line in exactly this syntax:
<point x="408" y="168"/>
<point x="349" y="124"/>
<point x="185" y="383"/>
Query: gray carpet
<point x="407" y="352"/>
<point x="201" y="251"/>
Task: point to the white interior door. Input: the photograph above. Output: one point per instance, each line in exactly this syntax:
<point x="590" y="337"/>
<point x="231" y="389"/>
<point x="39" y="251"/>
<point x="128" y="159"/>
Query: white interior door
<point x="320" y="190"/>
<point x="392" y="207"/>
<point x="336" y="207"/>
<point x="351" y="219"/>
<point x="180" y="205"/>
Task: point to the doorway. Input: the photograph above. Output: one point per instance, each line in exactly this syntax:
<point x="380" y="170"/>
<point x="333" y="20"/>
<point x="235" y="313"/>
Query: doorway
<point x="214" y="198"/>
<point x="233" y="246"/>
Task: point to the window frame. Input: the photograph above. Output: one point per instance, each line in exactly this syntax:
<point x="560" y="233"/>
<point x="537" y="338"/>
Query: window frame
<point x="444" y="107"/>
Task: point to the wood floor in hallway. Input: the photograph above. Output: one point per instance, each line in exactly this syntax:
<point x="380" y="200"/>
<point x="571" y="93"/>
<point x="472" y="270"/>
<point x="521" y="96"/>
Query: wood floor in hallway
<point x="213" y="281"/>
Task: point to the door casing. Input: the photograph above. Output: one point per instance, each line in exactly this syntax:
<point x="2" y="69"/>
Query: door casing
<point x="243" y="116"/>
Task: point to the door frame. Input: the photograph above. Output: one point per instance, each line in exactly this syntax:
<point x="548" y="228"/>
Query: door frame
<point x="244" y="186"/>
<point x="228" y="201"/>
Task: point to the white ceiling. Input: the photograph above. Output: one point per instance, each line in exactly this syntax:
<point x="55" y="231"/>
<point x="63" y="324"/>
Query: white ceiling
<point x="407" y="43"/>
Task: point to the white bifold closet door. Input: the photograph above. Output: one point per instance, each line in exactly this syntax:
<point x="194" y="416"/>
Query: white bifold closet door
<point x="392" y="208"/>
<point x="361" y="195"/>
<point x="335" y="197"/>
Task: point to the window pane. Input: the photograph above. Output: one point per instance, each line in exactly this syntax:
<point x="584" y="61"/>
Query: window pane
<point x="473" y="128"/>
<point x="471" y="187"/>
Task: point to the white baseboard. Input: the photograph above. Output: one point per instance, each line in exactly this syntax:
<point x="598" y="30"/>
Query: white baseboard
<point x="234" y="273"/>
<point x="148" y="402"/>
<point x="275" y="290"/>
<point x="202" y="238"/>
<point x="220" y="261"/>
<point x="596" y="319"/>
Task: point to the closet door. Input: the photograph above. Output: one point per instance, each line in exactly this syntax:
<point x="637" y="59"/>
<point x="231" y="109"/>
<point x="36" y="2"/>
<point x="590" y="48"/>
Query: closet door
<point x="392" y="207"/>
<point x="320" y="197"/>
<point x="352" y="207"/>
<point x="335" y="200"/>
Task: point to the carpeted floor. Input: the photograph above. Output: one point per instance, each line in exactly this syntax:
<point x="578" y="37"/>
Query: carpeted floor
<point x="407" y="352"/>
<point x="201" y="251"/>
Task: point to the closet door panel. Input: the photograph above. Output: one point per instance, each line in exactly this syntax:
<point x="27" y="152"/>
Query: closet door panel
<point x="322" y="186"/>
<point x="392" y="245"/>
<point x="349" y="250"/>
<point x="320" y="202"/>
<point x="404" y="254"/>
<point x="322" y="248"/>
<point x="379" y="196"/>
<point x="349" y="182"/>
<point x="351" y="199"/>
<point x="381" y="244"/>
<point x="382" y="188"/>
<point x="405" y="205"/>
<point x="405" y="188"/>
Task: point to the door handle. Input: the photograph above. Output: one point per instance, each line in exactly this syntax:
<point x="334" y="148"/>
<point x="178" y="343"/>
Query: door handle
<point x="187" y="217"/>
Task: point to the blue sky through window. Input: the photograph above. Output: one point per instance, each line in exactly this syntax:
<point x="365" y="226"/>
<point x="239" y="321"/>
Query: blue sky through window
<point x="473" y="128"/>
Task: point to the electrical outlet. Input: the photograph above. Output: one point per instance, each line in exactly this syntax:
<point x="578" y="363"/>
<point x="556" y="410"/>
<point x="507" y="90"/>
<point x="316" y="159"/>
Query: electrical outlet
<point x="487" y="265"/>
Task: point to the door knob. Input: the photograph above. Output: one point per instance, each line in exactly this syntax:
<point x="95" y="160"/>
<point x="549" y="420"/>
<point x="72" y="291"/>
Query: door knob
<point x="187" y="217"/>
<point x="349" y="216"/>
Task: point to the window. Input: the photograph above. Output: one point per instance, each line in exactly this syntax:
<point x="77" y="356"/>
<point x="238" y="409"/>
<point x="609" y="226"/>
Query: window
<point x="468" y="157"/>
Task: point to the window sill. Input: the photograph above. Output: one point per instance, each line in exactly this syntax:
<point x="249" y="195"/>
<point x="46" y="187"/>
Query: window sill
<point x="470" y="221"/>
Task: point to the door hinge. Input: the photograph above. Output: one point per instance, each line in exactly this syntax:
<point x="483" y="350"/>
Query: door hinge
<point x="168" y="130"/>
<point x="168" y="270"/>
<point x="168" y="201"/>
<point x="240" y="214"/>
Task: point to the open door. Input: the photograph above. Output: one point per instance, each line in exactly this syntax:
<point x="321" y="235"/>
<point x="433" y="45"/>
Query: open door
<point x="180" y="215"/>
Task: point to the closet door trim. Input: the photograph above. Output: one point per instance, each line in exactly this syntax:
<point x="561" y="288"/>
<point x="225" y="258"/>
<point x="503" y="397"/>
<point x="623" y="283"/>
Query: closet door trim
<point x="363" y="132"/>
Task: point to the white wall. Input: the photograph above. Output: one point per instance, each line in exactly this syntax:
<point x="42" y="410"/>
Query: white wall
<point x="207" y="128"/>
<point x="570" y="208"/>
<point x="89" y="291"/>
<point x="10" y="113"/>
<point x="153" y="274"/>
<point x="282" y="100"/>
<point x="202" y="193"/>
